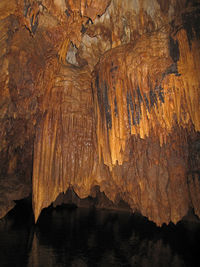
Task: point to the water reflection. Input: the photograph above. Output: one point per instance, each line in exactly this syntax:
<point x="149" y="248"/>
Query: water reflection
<point x="84" y="237"/>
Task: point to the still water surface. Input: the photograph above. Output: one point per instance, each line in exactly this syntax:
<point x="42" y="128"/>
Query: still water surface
<point x="81" y="237"/>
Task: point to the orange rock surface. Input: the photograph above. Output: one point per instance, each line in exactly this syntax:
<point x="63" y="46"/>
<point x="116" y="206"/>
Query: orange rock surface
<point x="102" y="93"/>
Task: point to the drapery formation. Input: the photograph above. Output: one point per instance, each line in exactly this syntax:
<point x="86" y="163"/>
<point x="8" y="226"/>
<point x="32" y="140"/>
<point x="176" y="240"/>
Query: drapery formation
<point x="142" y="102"/>
<point x="107" y="93"/>
<point x="146" y="92"/>
<point x="64" y="143"/>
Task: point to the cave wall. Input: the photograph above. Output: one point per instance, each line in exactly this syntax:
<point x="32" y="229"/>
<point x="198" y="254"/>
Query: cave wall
<point x="101" y="93"/>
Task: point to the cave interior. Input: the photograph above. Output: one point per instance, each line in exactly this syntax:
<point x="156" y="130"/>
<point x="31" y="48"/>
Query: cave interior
<point x="100" y="105"/>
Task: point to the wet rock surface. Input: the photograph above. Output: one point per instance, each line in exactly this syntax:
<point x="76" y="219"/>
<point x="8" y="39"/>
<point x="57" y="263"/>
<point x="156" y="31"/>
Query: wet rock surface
<point x="101" y="94"/>
<point x="12" y="189"/>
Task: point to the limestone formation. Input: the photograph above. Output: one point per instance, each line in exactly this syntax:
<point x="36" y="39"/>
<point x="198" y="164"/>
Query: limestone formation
<point x="102" y="94"/>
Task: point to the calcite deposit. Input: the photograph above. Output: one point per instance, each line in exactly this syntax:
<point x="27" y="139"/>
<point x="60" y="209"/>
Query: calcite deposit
<point x="101" y="94"/>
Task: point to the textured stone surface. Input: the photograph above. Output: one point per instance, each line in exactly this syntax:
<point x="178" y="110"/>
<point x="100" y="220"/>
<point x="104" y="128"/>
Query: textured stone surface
<point x="64" y="143"/>
<point x="12" y="188"/>
<point x="101" y="94"/>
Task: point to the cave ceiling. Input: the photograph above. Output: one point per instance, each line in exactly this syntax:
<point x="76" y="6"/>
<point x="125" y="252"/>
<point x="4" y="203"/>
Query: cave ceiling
<point x="101" y="93"/>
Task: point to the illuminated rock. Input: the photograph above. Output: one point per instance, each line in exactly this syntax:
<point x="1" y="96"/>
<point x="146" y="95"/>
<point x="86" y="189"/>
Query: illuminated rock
<point x="103" y="94"/>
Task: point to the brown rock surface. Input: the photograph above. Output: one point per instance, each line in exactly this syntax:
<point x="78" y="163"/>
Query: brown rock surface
<point x="11" y="189"/>
<point x="101" y="94"/>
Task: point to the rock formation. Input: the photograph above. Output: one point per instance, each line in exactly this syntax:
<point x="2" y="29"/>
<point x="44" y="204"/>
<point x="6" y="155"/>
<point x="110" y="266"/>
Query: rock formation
<point x="102" y="94"/>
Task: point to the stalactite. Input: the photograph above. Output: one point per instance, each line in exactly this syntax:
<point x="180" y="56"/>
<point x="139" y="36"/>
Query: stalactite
<point x="151" y="92"/>
<point x="64" y="144"/>
<point x="148" y="92"/>
<point x="127" y="133"/>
